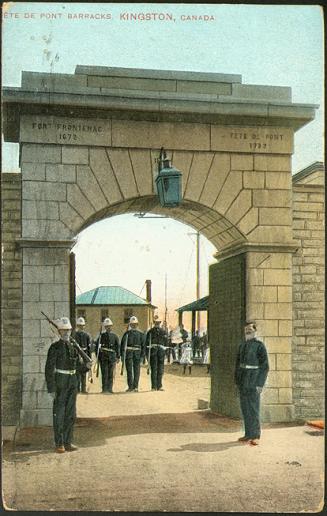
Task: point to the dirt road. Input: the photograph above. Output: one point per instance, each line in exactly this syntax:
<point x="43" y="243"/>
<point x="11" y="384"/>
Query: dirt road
<point x="154" y="451"/>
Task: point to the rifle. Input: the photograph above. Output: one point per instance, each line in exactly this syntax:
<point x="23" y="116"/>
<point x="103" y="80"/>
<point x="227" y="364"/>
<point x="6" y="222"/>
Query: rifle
<point x="123" y="357"/>
<point x="82" y="353"/>
<point x="149" y="354"/>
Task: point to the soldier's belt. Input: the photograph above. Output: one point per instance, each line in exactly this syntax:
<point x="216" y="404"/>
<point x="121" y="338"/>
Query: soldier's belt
<point x="246" y="366"/>
<point x="157" y="346"/>
<point x="134" y="349"/>
<point x="65" y="371"/>
<point x="106" y="349"/>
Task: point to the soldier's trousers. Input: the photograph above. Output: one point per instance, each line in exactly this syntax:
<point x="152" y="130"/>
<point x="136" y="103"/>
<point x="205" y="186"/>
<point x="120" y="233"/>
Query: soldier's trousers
<point x="250" y="407"/>
<point x="81" y="382"/>
<point x="64" y="409"/>
<point x="107" y="373"/>
<point x="157" y="370"/>
<point x="133" y="364"/>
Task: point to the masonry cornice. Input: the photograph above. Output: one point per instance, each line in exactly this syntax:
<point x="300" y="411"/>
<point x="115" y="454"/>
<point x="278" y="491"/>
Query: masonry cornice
<point x="234" y="250"/>
<point x="149" y="106"/>
<point x="29" y="242"/>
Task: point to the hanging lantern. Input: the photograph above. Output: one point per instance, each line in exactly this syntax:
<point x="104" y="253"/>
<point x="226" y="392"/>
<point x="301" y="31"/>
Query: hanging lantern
<point x="169" y="182"/>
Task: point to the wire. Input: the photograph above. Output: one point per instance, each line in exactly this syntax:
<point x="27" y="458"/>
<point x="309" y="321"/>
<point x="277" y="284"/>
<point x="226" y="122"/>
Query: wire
<point x="77" y="285"/>
<point x="142" y="289"/>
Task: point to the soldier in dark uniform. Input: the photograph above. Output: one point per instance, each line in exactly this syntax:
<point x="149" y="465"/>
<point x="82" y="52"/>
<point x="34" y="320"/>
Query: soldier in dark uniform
<point x="250" y="375"/>
<point x="108" y="355"/>
<point x="133" y="352"/>
<point x="156" y="344"/>
<point x="196" y="344"/>
<point x="84" y="340"/>
<point x="63" y="362"/>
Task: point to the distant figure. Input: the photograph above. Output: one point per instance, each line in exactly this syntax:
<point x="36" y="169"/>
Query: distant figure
<point x="184" y="336"/>
<point x="186" y="358"/>
<point x="175" y="338"/>
<point x="196" y="344"/>
<point x="206" y="356"/>
<point x="204" y="343"/>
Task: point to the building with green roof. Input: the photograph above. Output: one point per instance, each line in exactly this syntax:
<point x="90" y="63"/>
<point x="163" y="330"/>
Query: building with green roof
<point x="115" y="302"/>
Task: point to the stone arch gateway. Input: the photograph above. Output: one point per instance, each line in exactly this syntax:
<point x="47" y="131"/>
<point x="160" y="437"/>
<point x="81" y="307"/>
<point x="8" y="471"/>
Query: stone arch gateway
<point x="88" y="145"/>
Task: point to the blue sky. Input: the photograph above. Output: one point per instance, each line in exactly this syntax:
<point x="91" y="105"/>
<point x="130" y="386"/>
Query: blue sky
<point x="269" y="45"/>
<point x="275" y="45"/>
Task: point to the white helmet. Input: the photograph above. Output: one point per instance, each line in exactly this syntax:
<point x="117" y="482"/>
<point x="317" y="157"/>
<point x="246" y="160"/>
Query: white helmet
<point x="80" y="321"/>
<point x="133" y="320"/>
<point x="107" y="322"/>
<point x="64" y="324"/>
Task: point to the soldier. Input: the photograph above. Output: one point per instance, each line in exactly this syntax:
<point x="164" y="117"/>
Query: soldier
<point x="156" y="342"/>
<point x="133" y="352"/>
<point x="109" y="354"/>
<point x="250" y="375"/>
<point x="84" y="340"/>
<point x="63" y="361"/>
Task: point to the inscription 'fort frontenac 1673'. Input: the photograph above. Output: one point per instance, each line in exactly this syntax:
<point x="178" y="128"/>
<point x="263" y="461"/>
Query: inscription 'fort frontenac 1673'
<point x="65" y="131"/>
<point x="68" y="131"/>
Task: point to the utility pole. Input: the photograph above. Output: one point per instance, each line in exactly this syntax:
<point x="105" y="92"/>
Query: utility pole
<point x="166" y="309"/>
<point x="198" y="275"/>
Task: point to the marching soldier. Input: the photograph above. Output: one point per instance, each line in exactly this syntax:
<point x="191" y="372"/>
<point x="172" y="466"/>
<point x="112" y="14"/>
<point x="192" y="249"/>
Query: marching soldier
<point x="62" y="364"/>
<point x="156" y="342"/>
<point x="108" y="355"/>
<point x="250" y="375"/>
<point x="133" y="352"/>
<point x="84" y="340"/>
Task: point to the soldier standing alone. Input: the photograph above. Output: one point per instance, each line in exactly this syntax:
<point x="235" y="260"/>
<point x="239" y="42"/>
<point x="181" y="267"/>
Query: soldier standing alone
<point x="133" y="352"/>
<point x="156" y="342"/>
<point x="250" y="375"/>
<point x="62" y="364"/>
<point x="84" y="340"/>
<point x="108" y="355"/>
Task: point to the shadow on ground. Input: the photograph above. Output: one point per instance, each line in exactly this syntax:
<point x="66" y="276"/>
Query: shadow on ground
<point x="91" y="432"/>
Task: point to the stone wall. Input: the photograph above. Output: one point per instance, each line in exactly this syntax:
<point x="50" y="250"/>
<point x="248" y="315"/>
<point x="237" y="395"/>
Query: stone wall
<point x="308" y="293"/>
<point x="11" y="296"/>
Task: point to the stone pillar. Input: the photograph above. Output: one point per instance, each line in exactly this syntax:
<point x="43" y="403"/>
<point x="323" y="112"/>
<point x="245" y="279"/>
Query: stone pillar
<point x="45" y="288"/>
<point x="11" y="296"/>
<point x="269" y="303"/>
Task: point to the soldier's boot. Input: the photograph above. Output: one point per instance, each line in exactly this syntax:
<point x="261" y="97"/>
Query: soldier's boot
<point x="60" y="449"/>
<point x="70" y="447"/>
<point x="189" y="369"/>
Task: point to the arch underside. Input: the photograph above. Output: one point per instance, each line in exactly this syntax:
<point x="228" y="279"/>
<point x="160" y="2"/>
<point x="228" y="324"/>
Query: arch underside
<point x="216" y="228"/>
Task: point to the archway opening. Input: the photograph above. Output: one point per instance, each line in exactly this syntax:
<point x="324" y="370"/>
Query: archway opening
<point x="117" y="258"/>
